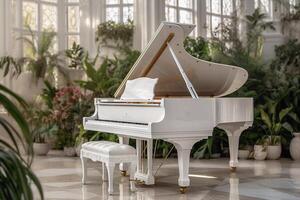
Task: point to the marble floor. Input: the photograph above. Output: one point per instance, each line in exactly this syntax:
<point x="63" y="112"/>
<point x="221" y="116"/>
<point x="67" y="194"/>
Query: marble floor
<point x="210" y="180"/>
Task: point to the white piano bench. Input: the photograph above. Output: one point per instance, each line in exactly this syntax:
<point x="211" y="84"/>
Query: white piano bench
<point x="109" y="153"/>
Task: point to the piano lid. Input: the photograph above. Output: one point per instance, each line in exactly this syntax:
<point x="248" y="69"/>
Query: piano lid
<point x="156" y="61"/>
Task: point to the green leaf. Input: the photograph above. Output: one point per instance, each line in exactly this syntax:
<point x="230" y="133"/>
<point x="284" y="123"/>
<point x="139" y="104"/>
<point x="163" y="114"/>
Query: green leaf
<point x="265" y="118"/>
<point x="284" y="112"/>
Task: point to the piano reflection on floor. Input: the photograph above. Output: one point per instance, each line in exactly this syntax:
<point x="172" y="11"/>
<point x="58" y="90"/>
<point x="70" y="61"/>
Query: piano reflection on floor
<point x="170" y="95"/>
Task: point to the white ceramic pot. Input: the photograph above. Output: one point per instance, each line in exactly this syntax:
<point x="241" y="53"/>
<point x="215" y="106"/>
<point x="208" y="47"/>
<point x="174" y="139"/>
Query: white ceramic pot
<point x="70" y="151"/>
<point x="260" y="152"/>
<point x="273" y="152"/>
<point x="41" y="149"/>
<point x="295" y="147"/>
<point x="243" y="154"/>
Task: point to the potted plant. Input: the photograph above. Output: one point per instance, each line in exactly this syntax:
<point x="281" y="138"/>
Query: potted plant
<point x="67" y="113"/>
<point x="37" y="64"/>
<point x="244" y="151"/>
<point x="41" y="127"/>
<point x="272" y="118"/>
<point x="260" y="150"/>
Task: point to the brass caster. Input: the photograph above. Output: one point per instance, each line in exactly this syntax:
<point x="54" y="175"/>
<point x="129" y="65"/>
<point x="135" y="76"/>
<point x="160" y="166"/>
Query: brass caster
<point x="123" y="173"/>
<point x="138" y="182"/>
<point x="232" y="169"/>
<point x="183" y="190"/>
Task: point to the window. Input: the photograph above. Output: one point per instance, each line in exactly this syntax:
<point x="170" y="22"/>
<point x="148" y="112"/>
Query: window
<point x="59" y="16"/>
<point x="73" y="20"/>
<point x="218" y="12"/>
<point x="119" y="10"/>
<point x="181" y="11"/>
<point x="265" y="6"/>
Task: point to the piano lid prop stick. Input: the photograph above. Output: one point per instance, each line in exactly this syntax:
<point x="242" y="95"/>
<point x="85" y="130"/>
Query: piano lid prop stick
<point x="185" y="78"/>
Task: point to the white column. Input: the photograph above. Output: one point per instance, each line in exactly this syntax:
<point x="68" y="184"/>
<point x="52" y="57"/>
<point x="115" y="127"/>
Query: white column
<point x="2" y="28"/>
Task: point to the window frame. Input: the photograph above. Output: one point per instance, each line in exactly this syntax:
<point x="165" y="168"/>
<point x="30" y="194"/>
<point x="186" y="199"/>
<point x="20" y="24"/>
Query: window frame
<point x="62" y="32"/>
<point x="121" y="5"/>
<point x="222" y="16"/>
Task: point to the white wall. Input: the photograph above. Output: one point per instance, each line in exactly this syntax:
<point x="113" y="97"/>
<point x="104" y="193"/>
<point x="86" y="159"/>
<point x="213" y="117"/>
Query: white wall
<point x="2" y="27"/>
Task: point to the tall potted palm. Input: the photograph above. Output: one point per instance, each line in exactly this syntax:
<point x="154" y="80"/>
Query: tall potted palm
<point x="38" y="63"/>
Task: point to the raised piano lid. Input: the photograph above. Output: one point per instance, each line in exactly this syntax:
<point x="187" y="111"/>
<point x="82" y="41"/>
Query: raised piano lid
<point x="208" y="78"/>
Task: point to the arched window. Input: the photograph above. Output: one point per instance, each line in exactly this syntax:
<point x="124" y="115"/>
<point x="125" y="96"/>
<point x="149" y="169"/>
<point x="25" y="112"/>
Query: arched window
<point x="59" y="16"/>
<point x="119" y="10"/>
<point x="218" y="12"/>
<point x="180" y="11"/>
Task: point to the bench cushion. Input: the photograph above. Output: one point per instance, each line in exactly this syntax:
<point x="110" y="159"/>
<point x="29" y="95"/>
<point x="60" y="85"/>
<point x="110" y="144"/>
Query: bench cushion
<point x="109" y="148"/>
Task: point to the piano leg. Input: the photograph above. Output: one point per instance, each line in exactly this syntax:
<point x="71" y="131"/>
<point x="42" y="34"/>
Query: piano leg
<point x="123" y="166"/>
<point x="233" y="131"/>
<point x="147" y="178"/>
<point x="183" y="147"/>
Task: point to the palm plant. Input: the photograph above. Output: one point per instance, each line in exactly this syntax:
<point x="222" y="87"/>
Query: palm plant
<point x="38" y="59"/>
<point x="256" y="25"/>
<point x="16" y="177"/>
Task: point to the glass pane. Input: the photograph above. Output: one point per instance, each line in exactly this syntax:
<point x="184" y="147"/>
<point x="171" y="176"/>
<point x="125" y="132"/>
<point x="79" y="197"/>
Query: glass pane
<point x="265" y="6"/>
<point x="49" y="17"/>
<point x="216" y="6"/>
<point x="127" y="1"/>
<point x="171" y="14"/>
<point x="208" y="7"/>
<point x="30" y="14"/>
<point x="185" y="3"/>
<point x="215" y="22"/>
<point x="185" y="17"/>
<point x="171" y="2"/>
<point x="72" y="39"/>
<point x="112" y="1"/>
<point x="73" y="18"/>
<point x="208" y="26"/>
<point x="227" y="7"/>
<point x="112" y="14"/>
<point x="127" y="13"/>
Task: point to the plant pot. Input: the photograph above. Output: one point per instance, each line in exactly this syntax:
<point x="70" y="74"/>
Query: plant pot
<point x="243" y="154"/>
<point x="41" y="149"/>
<point x="70" y="151"/>
<point x="273" y="152"/>
<point x="259" y="152"/>
<point x="295" y="147"/>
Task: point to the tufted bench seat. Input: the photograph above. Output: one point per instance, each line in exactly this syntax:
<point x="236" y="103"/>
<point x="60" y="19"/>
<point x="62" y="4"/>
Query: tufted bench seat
<point x="109" y="153"/>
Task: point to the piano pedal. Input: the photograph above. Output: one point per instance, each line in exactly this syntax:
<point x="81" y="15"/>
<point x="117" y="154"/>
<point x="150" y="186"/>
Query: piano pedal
<point x="183" y="190"/>
<point x="233" y="169"/>
<point x="123" y="173"/>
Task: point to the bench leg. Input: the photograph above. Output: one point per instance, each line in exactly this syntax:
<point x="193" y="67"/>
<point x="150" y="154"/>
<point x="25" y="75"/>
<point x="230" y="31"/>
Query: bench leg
<point x="132" y="169"/>
<point x="84" y="169"/>
<point x="104" y="172"/>
<point x="110" y="171"/>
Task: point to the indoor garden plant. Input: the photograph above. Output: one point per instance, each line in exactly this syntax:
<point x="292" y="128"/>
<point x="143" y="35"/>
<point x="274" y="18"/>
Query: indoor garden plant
<point x="17" y="180"/>
<point x="66" y="114"/>
<point x="37" y="64"/>
<point x="272" y="119"/>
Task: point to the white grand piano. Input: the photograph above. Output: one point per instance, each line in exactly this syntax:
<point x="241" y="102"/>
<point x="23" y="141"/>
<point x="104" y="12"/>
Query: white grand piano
<point x="187" y="105"/>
